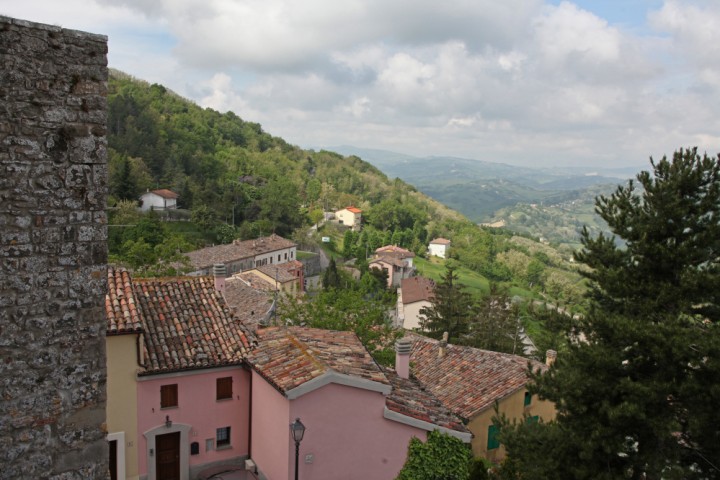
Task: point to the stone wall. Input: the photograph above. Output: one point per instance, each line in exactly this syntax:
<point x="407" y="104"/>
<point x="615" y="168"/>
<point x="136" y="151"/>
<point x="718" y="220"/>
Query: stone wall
<point x="53" y="251"/>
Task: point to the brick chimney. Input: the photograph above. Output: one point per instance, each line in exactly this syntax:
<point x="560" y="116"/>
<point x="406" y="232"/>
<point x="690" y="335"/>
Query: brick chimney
<point x="550" y="357"/>
<point x="402" y="357"/>
<point x="442" y="345"/>
<point x="219" y="274"/>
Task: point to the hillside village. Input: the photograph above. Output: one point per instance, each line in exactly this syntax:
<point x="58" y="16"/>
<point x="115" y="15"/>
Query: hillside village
<point x="184" y="296"/>
<point x="224" y="388"/>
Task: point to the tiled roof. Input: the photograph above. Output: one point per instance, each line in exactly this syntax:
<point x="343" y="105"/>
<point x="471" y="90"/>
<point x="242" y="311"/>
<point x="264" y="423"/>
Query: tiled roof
<point x="284" y="271"/>
<point x="393" y="251"/>
<point x="289" y="357"/>
<point x="440" y="241"/>
<point x="188" y="325"/>
<point x="389" y="261"/>
<point x="352" y="209"/>
<point x="416" y="289"/>
<point x="165" y="193"/>
<point x="238" y="250"/>
<point x="121" y="310"/>
<point x="468" y="380"/>
<point x="249" y="305"/>
<point x="409" y="398"/>
<point x="256" y="281"/>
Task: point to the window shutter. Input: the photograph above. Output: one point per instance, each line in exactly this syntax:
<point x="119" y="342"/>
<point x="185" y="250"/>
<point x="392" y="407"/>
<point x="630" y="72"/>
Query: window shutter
<point x="169" y="396"/>
<point x="224" y="388"/>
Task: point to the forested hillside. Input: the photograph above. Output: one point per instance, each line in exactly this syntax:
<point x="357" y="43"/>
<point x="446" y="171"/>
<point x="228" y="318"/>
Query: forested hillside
<point x="237" y="181"/>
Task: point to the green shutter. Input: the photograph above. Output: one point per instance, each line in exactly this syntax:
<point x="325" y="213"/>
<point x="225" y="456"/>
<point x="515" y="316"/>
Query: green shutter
<point x="493" y="441"/>
<point x="528" y="398"/>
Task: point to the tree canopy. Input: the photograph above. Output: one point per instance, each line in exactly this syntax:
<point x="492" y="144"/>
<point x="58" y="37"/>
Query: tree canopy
<point x="637" y="392"/>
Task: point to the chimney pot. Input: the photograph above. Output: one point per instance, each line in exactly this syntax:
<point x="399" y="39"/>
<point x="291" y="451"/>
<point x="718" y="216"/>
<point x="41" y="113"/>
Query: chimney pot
<point x="402" y="357"/>
<point x="550" y="357"/>
<point x="442" y="345"/>
<point x="219" y="274"/>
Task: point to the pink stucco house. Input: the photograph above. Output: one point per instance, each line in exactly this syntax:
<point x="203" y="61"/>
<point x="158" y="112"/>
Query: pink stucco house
<point x="397" y="263"/>
<point x="187" y="374"/>
<point x="190" y="388"/>
<point x="359" y="417"/>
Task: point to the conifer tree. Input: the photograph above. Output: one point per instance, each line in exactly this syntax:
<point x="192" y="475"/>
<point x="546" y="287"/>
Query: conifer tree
<point x="450" y="309"/>
<point x="637" y="394"/>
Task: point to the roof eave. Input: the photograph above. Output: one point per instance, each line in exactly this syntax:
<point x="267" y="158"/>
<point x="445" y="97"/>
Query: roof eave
<point x="423" y="425"/>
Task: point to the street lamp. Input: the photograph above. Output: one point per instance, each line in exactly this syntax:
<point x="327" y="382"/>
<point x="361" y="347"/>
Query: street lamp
<point x="297" y="429"/>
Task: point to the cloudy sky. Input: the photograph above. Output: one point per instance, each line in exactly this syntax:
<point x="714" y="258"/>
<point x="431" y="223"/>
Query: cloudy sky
<point x="527" y="82"/>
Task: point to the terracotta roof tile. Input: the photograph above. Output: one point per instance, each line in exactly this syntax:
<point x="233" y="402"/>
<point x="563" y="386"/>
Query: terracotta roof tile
<point x="121" y="310"/>
<point x="440" y="241"/>
<point x="285" y="271"/>
<point x="352" y="209"/>
<point x="165" y="193"/>
<point x="250" y="305"/>
<point x="188" y="325"/>
<point x="468" y="380"/>
<point x="255" y="281"/>
<point x="393" y="251"/>
<point x="238" y="250"/>
<point x="409" y="398"/>
<point x="416" y="289"/>
<point x="289" y="357"/>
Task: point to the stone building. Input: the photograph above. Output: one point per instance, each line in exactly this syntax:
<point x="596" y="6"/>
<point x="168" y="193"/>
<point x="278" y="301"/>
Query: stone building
<point x="53" y="252"/>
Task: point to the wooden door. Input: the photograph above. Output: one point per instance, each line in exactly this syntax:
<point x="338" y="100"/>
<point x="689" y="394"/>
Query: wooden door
<point x="167" y="456"/>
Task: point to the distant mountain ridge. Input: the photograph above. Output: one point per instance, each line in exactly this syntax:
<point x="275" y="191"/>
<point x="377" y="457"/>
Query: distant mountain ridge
<point x="479" y="188"/>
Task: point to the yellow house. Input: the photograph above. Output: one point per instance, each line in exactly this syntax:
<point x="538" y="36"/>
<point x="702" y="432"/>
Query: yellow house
<point x="469" y="381"/>
<point x="287" y="277"/>
<point x="124" y="328"/>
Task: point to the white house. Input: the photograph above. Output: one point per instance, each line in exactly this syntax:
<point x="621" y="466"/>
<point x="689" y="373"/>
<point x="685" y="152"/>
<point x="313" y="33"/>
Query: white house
<point x="350" y="216"/>
<point x="439" y="247"/>
<point x="162" y="199"/>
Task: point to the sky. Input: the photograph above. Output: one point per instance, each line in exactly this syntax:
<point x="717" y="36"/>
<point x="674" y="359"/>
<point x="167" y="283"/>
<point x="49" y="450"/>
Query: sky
<point x="593" y="83"/>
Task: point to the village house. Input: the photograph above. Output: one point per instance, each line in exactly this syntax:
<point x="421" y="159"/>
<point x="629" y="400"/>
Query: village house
<point x="161" y="199"/>
<point x="469" y="381"/>
<point x="414" y="294"/>
<point x="192" y="390"/>
<point x="179" y="390"/>
<point x="123" y="332"/>
<point x="440" y="247"/>
<point x="359" y="419"/>
<point x="396" y="262"/>
<point x="285" y="277"/>
<point x="350" y="216"/>
<point x="243" y="255"/>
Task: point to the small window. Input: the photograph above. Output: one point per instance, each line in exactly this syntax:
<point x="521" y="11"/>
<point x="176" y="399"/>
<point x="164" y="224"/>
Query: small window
<point x="224" y="388"/>
<point x="285" y="255"/>
<point x="278" y="257"/>
<point x="493" y="441"/>
<point x="528" y="399"/>
<point x="271" y="259"/>
<point x="222" y="437"/>
<point x="169" y="396"/>
<point x="291" y="254"/>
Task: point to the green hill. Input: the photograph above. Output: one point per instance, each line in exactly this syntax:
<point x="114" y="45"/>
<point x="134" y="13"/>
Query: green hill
<point x="237" y="181"/>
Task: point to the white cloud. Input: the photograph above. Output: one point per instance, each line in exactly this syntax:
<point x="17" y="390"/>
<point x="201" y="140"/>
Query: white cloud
<point x="512" y="80"/>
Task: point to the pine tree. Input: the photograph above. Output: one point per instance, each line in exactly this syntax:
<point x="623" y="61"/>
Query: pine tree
<point x="450" y="309"/>
<point x="637" y="396"/>
<point x="331" y="277"/>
